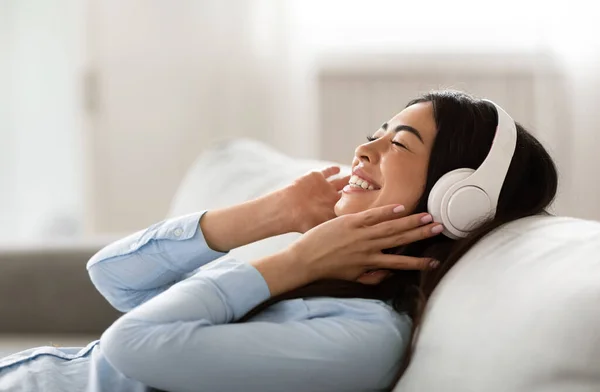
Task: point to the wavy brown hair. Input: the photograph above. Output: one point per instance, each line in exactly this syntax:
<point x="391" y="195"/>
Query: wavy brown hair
<point x="465" y="130"/>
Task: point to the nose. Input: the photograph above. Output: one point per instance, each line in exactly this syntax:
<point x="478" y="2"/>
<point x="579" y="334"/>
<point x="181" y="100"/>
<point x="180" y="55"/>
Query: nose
<point x="367" y="152"/>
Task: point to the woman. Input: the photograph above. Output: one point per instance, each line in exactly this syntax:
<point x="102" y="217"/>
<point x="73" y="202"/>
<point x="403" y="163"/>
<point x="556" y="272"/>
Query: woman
<point x="332" y="312"/>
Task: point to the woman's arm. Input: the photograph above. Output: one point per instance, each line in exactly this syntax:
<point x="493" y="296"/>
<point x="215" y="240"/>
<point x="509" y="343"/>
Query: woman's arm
<point x="132" y="270"/>
<point x="142" y="265"/>
<point x="181" y="340"/>
<point x="229" y="228"/>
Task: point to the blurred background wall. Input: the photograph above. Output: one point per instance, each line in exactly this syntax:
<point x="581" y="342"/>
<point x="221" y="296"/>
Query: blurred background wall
<point x="41" y="120"/>
<point x="104" y="104"/>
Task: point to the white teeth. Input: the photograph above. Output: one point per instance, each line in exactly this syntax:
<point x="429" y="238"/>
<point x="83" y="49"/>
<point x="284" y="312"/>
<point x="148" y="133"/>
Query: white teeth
<point x="358" y="182"/>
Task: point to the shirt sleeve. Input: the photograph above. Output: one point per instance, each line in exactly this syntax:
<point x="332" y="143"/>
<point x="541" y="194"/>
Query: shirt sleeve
<point x="136" y="268"/>
<point x="184" y="340"/>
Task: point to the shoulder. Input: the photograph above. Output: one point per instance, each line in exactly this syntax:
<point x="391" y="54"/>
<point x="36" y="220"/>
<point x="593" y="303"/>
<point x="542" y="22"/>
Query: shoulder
<point x="354" y="344"/>
<point x="368" y="335"/>
<point x="356" y="308"/>
<point x="377" y="321"/>
<point x="368" y="320"/>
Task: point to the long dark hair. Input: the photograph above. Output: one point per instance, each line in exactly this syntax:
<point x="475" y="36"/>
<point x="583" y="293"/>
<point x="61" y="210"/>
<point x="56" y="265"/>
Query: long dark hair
<point x="465" y="130"/>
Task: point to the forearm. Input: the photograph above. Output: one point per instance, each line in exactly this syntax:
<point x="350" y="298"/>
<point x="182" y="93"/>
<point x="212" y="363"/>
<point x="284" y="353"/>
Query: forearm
<point x="228" y="228"/>
<point x="134" y="269"/>
<point x="186" y="340"/>
<point x="283" y="272"/>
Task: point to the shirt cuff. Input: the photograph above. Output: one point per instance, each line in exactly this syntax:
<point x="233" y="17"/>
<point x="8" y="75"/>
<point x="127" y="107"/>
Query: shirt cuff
<point x="180" y="240"/>
<point x="241" y="285"/>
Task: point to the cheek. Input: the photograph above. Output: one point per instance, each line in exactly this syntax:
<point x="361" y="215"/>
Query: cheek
<point x="412" y="200"/>
<point x="407" y="190"/>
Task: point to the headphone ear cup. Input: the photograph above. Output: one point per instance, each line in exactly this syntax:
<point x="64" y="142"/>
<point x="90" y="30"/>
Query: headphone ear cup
<point x="434" y="202"/>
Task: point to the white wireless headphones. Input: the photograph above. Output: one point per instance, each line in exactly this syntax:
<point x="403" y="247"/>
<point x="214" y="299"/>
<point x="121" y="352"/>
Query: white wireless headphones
<point x="462" y="198"/>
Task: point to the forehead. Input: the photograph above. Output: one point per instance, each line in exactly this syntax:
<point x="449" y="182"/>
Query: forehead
<point x="419" y="116"/>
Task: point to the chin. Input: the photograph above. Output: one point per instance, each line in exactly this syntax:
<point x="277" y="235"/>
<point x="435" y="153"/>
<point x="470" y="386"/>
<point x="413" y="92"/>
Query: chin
<point x="345" y="208"/>
<point x="339" y="209"/>
<point x="336" y="210"/>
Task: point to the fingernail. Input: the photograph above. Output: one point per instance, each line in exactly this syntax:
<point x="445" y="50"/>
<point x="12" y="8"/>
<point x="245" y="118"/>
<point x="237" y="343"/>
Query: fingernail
<point x="434" y="264"/>
<point x="437" y="229"/>
<point x="398" y="209"/>
<point x="427" y="219"/>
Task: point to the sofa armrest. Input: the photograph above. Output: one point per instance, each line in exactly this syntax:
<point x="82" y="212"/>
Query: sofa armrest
<point x="47" y="290"/>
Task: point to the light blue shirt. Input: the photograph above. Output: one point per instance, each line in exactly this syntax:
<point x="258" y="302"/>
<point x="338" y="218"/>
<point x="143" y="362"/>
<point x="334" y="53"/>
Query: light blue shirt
<point x="178" y="333"/>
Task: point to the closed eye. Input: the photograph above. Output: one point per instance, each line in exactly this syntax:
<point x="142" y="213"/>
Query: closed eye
<point x="399" y="145"/>
<point x="373" y="138"/>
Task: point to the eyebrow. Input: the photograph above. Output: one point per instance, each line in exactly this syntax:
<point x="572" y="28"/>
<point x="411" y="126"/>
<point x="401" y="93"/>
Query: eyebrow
<point x="407" y="128"/>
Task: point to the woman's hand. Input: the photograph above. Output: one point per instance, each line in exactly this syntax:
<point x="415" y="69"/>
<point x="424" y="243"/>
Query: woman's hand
<point x="311" y="198"/>
<point x="348" y="247"/>
<point x="305" y="203"/>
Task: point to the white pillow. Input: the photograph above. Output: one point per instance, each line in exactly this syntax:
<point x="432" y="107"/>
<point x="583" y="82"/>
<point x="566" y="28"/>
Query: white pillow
<point x="520" y="312"/>
<point x="240" y="170"/>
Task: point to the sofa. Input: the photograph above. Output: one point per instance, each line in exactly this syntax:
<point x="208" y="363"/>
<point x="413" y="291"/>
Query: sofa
<point x="519" y="312"/>
<point x="46" y="297"/>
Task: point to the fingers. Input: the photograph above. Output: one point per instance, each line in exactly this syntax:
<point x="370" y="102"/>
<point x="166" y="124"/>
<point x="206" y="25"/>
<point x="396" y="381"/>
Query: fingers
<point x="408" y="236"/>
<point x="396" y="227"/>
<point x="374" y="277"/>
<point x="397" y="262"/>
<point x="340" y="183"/>
<point x="330" y="171"/>
<point x="373" y="216"/>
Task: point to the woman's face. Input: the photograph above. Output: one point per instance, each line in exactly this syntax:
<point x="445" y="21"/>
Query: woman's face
<point x="394" y="164"/>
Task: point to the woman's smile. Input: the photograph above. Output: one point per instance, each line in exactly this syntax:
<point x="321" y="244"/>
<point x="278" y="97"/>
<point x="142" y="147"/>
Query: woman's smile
<point x="361" y="182"/>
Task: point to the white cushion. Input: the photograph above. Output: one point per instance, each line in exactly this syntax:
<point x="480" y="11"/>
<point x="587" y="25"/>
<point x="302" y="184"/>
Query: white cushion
<point x="520" y="312"/>
<point x="237" y="171"/>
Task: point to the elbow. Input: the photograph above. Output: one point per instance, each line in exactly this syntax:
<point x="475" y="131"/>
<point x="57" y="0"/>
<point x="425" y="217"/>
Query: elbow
<point x="135" y="348"/>
<point x="104" y="283"/>
<point x="118" y="344"/>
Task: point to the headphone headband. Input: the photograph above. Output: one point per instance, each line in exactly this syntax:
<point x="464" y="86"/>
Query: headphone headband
<point x="464" y="196"/>
<point x="490" y="175"/>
